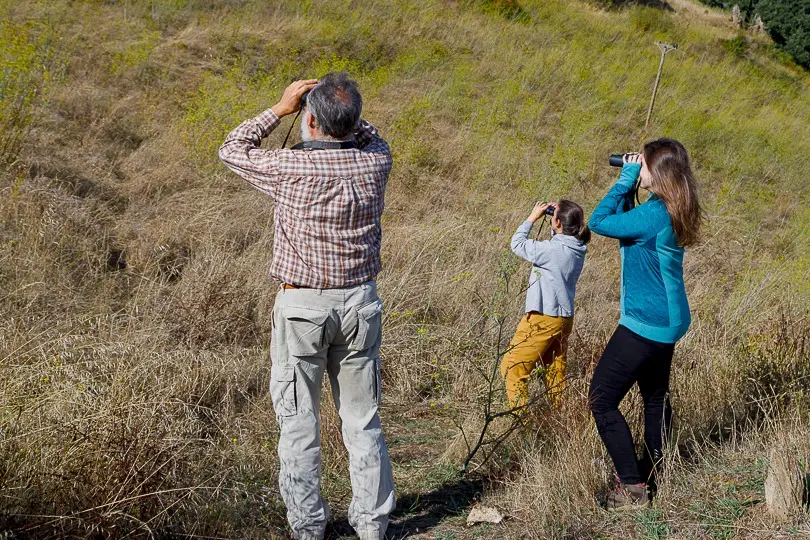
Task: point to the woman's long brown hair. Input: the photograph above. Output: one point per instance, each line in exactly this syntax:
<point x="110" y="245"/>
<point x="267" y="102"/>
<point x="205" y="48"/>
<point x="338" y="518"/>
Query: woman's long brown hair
<point x="673" y="182"/>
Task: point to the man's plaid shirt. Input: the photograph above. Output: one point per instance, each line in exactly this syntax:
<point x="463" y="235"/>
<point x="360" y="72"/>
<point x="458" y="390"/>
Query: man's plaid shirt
<point x="328" y="203"/>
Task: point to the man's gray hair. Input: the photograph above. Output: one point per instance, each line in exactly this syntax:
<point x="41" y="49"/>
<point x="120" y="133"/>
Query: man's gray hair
<point x="336" y="104"/>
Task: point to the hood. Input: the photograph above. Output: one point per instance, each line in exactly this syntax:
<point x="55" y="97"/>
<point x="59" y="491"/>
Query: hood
<point x="571" y="242"/>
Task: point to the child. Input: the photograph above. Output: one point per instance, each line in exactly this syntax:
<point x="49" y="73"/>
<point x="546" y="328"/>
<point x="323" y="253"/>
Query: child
<point x="542" y="334"/>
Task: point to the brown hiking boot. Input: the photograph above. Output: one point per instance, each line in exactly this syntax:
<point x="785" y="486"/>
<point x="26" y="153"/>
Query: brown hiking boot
<point x="628" y="497"/>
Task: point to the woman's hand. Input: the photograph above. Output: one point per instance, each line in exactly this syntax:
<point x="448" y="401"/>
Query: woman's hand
<point x="538" y="211"/>
<point x="633" y="157"/>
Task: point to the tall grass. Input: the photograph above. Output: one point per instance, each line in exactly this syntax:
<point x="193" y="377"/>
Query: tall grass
<point x="26" y="55"/>
<point x="134" y="293"/>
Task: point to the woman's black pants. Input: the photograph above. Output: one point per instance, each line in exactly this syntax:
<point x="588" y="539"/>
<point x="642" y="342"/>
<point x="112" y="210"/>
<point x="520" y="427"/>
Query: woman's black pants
<point x="629" y="359"/>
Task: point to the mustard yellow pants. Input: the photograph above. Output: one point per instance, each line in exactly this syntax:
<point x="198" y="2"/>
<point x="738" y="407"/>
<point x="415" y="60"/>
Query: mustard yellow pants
<point x="538" y="338"/>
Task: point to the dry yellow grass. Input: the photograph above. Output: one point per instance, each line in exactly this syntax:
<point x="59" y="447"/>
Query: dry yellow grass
<point x="135" y="305"/>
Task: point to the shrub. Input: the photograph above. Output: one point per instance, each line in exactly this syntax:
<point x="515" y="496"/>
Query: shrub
<point x="650" y="20"/>
<point x="788" y="23"/>
<point x="737" y="46"/>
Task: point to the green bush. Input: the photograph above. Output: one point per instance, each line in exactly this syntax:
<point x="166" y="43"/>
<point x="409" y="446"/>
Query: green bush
<point x="650" y="20"/>
<point x="737" y="46"/>
<point x="788" y="23"/>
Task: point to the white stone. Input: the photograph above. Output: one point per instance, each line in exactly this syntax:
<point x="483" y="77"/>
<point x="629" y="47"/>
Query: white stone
<point x="484" y="514"/>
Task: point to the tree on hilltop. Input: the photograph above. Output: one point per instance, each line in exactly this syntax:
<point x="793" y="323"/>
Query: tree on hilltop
<point x="786" y="21"/>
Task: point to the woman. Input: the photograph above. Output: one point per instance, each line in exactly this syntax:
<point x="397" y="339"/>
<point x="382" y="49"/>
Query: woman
<point x="542" y="334"/>
<point x="654" y="308"/>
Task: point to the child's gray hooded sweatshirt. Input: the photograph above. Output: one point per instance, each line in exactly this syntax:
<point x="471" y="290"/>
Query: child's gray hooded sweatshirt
<point x="556" y="266"/>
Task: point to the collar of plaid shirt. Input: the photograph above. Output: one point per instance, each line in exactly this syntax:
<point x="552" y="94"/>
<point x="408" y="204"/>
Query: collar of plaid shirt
<point x="328" y="203"/>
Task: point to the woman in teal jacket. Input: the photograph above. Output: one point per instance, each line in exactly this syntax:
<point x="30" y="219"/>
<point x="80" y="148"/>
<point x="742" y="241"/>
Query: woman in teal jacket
<point x="654" y="308"/>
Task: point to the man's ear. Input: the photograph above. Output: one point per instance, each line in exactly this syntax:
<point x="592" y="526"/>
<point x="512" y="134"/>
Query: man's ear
<point x="311" y="122"/>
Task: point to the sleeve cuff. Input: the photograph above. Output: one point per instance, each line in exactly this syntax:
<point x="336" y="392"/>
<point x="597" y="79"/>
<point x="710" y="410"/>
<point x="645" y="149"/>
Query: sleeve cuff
<point x="630" y="172"/>
<point x="364" y="134"/>
<point x="268" y="120"/>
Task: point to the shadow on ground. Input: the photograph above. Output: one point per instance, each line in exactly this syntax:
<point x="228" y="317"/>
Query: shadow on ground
<point x="417" y="513"/>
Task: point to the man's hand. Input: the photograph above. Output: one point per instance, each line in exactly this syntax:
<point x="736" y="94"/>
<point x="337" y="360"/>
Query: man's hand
<point x="291" y="99"/>
<point x="538" y="211"/>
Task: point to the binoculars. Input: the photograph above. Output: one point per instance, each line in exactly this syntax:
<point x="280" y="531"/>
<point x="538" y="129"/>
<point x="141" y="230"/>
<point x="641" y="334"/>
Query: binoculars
<point x="616" y="160"/>
<point x="550" y="210"/>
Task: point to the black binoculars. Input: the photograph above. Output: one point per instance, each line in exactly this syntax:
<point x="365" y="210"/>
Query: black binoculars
<point x="617" y="160"/>
<point x="549" y="211"/>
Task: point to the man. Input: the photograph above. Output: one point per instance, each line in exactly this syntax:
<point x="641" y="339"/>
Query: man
<point x="327" y="316"/>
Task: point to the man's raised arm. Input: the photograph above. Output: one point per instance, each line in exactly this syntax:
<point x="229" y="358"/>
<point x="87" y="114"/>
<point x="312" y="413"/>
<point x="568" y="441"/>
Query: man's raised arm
<point x="241" y="151"/>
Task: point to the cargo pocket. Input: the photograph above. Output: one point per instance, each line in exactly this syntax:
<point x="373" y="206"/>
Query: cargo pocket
<point x="304" y="330"/>
<point x="369" y="321"/>
<point x="282" y="390"/>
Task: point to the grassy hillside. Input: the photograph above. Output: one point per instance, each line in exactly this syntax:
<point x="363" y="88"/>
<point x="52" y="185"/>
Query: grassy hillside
<point x="134" y="297"/>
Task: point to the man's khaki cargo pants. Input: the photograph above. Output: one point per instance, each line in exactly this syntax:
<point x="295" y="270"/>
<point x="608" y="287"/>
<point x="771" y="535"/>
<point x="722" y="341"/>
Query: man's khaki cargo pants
<point x="337" y="331"/>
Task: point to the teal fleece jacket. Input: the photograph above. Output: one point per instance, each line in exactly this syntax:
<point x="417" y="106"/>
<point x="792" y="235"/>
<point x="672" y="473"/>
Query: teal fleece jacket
<point x="653" y="297"/>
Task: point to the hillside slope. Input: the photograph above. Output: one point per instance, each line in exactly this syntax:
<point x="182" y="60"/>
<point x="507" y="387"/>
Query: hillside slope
<point x="134" y="297"/>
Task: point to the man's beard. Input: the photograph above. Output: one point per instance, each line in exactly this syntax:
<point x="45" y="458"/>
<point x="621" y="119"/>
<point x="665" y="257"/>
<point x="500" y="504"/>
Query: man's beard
<point x="306" y="136"/>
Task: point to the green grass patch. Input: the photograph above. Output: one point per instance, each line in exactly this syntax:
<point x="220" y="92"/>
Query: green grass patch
<point x="652" y="524"/>
<point x="26" y="56"/>
<point x="717" y="518"/>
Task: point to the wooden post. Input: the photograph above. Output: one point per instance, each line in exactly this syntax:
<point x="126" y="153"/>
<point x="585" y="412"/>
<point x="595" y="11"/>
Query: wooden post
<point x="784" y="486"/>
<point x="665" y="48"/>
